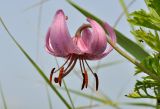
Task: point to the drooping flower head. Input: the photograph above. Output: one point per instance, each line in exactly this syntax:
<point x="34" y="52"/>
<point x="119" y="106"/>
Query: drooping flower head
<point x="89" y="43"/>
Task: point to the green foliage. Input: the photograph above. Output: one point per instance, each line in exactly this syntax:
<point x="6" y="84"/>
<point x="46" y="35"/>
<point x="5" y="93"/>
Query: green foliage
<point x="149" y="19"/>
<point x="152" y="39"/>
<point x="153" y="5"/>
<point x="142" y="18"/>
<point x="151" y="63"/>
<point x="147" y="87"/>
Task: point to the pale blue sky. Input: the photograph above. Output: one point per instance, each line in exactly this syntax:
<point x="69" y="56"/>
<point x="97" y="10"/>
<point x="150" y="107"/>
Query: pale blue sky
<point x="22" y="85"/>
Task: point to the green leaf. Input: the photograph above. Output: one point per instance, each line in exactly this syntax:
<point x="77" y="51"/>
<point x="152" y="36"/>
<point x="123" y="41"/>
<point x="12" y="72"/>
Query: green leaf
<point x="153" y="40"/>
<point x="36" y="67"/>
<point x="154" y="4"/>
<point x="142" y="18"/>
<point x="69" y="96"/>
<point x="130" y="46"/>
<point x="48" y="97"/>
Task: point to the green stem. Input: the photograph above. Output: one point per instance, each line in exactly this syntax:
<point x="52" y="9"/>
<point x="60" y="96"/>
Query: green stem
<point x="68" y="94"/>
<point x="132" y="60"/>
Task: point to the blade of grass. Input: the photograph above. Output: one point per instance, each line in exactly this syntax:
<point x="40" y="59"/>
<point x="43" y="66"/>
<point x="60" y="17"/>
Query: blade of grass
<point x="66" y="89"/>
<point x="36" y="66"/>
<point x="49" y="98"/>
<point x="121" y="15"/>
<point x="127" y="15"/>
<point x="35" y="5"/>
<point x="68" y="94"/>
<point x="3" y="97"/>
<point x="39" y="20"/>
<point x="125" y="11"/>
<point x="130" y="46"/>
<point x="89" y="106"/>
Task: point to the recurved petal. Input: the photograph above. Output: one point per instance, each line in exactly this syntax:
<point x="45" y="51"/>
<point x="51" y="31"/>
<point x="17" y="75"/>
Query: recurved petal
<point x="47" y="43"/>
<point x="59" y="36"/>
<point x="111" y="32"/>
<point x="83" y="42"/>
<point x="109" y="48"/>
<point x="48" y="46"/>
<point x="98" y="41"/>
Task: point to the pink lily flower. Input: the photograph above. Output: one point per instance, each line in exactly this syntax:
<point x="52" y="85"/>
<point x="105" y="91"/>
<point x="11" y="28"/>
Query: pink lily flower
<point x="89" y="43"/>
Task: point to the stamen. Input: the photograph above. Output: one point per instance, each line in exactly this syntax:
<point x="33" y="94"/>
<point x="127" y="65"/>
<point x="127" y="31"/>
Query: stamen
<point x="80" y="65"/>
<point x="60" y="75"/>
<point x="82" y="74"/>
<point x="51" y="75"/>
<point x="85" y="75"/>
<point x="69" y="70"/>
<point x="56" y="80"/>
<point x="64" y="63"/>
<point x="83" y="81"/>
<point x="71" y="61"/>
<point x="88" y="66"/>
<point x="95" y="75"/>
<point x="86" y="78"/>
<point x="97" y="80"/>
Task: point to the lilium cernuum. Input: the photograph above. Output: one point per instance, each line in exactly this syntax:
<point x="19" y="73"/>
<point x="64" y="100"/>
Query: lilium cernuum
<point x="89" y="43"/>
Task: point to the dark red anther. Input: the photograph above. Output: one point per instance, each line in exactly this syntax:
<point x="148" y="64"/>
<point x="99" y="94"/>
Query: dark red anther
<point x="56" y="80"/>
<point x="83" y="81"/>
<point x="86" y="78"/>
<point x="97" y="80"/>
<point x="51" y="75"/>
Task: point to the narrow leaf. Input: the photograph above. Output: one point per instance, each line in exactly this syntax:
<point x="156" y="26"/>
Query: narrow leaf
<point x="68" y="93"/>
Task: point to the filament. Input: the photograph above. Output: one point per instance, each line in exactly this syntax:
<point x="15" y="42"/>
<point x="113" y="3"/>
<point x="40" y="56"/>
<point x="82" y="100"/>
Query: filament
<point x="95" y="75"/>
<point x="64" y="63"/>
<point x="69" y="70"/>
